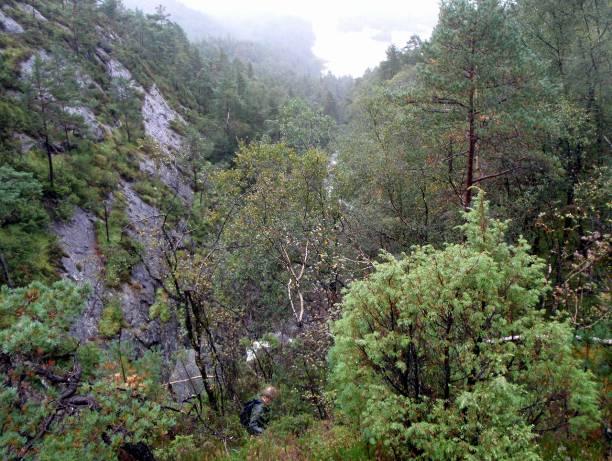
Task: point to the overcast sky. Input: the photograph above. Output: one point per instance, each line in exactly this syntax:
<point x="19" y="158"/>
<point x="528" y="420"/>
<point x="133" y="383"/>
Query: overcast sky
<point x="351" y="35"/>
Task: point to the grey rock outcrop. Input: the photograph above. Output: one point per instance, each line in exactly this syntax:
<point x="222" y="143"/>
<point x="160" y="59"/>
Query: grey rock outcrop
<point x="10" y="25"/>
<point x="29" y="9"/>
<point x="117" y="70"/>
<point x="186" y="379"/>
<point x="82" y="263"/>
<point x="158" y="117"/>
<point x="85" y="81"/>
<point x="138" y="296"/>
<point x="96" y="130"/>
<point x="26" y="143"/>
<point x="27" y="66"/>
<point x="169" y="174"/>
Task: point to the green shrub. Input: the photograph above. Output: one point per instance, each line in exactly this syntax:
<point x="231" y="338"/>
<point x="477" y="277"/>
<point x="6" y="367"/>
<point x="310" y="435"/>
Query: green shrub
<point x="26" y="245"/>
<point x="295" y="425"/>
<point x="445" y="354"/>
<point x="119" y="250"/>
<point x="160" y="308"/>
<point x="111" y="320"/>
<point x="320" y="441"/>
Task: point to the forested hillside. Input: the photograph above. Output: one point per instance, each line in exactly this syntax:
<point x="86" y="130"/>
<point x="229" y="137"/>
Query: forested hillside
<point x="416" y="259"/>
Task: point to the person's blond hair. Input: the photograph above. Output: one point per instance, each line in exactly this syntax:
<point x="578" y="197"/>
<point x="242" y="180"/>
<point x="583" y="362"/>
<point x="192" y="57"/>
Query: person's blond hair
<point x="271" y="392"/>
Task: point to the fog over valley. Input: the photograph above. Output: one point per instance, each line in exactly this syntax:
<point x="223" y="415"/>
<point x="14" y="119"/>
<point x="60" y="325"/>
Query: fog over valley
<point x="347" y="36"/>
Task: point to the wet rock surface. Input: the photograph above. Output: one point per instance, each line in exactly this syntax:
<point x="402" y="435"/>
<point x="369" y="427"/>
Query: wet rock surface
<point x="85" y="81"/>
<point x="96" y="130"/>
<point x="145" y="227"/>
<point x="83" y="264"/>
<point x="9" y="25"/>
<point x="170" y="175"/>
<point x="157" y="115"/>
<point x="185" y="379"/>
<point x="117" y="70"/>
<point x="26" y="143"/>
<point x="138" y="296"/>
<point x="26" y="67"/>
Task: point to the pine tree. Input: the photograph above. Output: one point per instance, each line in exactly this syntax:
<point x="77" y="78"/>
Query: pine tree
<point x="40" y="100"/>
<point x="82" y="18"/>
<point x="392" y="64"/>
<point x="194" y="155"/>
<point x="61" y="399"/>
<point x="22" y="219"/>
<point x="49" y="91"/>
<point x="476" y="81"/>
<point x="127" y="105"/>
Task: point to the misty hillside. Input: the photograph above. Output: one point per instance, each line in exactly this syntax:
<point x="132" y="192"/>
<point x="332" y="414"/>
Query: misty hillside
<point x="276" y="45"/>
<point x="210" y="250"/>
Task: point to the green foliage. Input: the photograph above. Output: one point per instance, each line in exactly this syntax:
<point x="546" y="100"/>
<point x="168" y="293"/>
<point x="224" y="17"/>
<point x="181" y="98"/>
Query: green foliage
<point x="444" y="353"/>
<point x="25" y="245"/>
<point x="317" y="441"/>
<point x="396" y="199"/>
<point x="303" y="128"/>
<point x="20" y="199"/>
<point x="35" y="319"/>
<point x="480" y="87"/>
<point x="284" y="210"/>
<point x="458" y="353"/>
<point x="195" y="156"/>
<point x="119" y="250"/>
<point x="582" y="282"/>
<point x="127" y="106"/>
<point x="107" y="404"/>
<point x="111" y="320"/>
<point x="182" y="447"/>
<point x="160" y="308"/>
<point x="12" y="119"/>
<point x="292" y="425"/>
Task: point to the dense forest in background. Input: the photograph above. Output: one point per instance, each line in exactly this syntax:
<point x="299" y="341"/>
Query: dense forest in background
<point x="417" y="258"/>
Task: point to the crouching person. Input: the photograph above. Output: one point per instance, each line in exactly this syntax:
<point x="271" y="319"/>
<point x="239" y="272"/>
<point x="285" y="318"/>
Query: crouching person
<point x="256" y="413"/>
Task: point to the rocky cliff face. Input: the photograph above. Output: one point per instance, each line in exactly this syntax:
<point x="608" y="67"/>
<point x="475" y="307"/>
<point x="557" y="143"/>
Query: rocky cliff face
<point x="10" y="25"/>
<point x="82" y="263"/>
<point x="77" y="236"/>
<point x="158" y="116"/>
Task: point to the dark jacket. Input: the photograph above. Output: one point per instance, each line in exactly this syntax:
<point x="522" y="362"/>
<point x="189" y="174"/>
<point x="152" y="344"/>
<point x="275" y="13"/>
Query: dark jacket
<point x="260" y="415"/>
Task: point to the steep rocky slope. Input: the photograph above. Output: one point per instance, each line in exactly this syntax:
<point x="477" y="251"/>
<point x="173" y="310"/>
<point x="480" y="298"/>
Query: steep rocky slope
<point x="78" y="234"/>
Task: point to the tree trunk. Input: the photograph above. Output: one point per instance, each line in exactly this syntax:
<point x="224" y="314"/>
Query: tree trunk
<point x="5" y="269"/>
<point x="49" y="160"/>
<point x="127" y="128"/>
<point x="469" y="181"/>
<point x="106" y="223"/>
